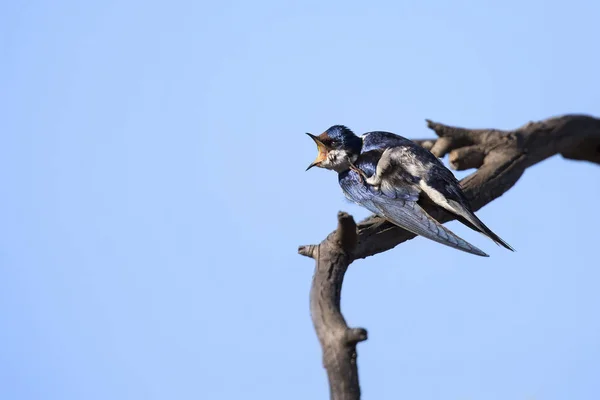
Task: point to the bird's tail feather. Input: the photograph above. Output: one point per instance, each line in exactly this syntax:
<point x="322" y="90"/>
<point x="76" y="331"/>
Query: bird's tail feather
<point x="471" y="220"/>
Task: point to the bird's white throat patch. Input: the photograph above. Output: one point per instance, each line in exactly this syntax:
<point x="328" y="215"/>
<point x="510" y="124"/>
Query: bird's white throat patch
<point x="338" y="160"/>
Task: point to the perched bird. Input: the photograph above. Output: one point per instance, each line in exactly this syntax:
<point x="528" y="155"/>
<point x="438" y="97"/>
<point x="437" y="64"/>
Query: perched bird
<point x="390" y="175"/>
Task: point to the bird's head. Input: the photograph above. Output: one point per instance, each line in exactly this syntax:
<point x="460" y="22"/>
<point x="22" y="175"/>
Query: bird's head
<point x="338" y="147"/>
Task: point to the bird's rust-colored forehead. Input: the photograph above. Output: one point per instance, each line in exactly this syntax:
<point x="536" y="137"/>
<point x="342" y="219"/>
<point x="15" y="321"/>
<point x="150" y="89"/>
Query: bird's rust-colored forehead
<point x="325" y="139"/>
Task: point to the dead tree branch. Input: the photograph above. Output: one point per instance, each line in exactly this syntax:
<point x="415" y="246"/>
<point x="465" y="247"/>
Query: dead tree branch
<point x="338" y="341"/>
<point x="500" y="157"/>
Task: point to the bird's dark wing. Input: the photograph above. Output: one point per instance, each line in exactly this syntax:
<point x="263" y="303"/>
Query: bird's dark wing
<point x="399" y="206"/>
<point x="408" y="162"/>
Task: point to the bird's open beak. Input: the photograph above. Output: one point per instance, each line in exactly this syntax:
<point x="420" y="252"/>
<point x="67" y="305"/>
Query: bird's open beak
<point x="323" y="150"/>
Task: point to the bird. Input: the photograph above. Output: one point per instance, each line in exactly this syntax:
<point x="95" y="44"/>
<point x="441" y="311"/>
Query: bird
<point x="393" y="177"/>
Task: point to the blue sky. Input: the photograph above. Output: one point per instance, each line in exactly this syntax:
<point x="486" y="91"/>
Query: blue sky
<point x="153" y="196"/>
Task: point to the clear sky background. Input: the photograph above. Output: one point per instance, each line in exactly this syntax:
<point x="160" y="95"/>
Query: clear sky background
<point x="153" y="195"/>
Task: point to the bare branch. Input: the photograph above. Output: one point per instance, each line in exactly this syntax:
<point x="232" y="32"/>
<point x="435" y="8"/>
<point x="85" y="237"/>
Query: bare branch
<point x="333" y="255"/>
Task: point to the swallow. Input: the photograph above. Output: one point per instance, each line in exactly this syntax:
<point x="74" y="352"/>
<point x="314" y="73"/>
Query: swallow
<point x="392" y="177"/>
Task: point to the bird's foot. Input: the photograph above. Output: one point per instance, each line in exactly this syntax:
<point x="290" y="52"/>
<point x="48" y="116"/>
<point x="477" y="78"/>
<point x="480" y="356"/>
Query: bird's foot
<point x="361" y="175"/>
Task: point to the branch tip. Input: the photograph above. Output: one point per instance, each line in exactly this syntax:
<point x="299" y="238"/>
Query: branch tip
<point x="466" y="157"/>
<point x="356" y="335"/>
<point x="346" y="235"/>
<point x="436" y="127"/>
<point x="307" y="250"/>
<point x="442" y="146"/>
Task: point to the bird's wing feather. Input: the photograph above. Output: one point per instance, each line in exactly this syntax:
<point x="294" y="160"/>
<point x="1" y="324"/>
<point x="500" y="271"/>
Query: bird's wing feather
<point x="412" y="217"/>
<point x="406" y="164"/>
<point x="398" y="204"/>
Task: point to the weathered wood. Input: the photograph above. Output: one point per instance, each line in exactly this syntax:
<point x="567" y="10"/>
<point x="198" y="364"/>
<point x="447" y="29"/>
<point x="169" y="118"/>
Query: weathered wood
<point x="338" y="341"/>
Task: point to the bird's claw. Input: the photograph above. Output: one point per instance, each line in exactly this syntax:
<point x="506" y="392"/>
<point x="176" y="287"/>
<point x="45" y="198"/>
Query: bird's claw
<point x="361" y="175"/>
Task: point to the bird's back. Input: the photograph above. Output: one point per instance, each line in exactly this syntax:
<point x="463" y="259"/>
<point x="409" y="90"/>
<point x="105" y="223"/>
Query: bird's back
<point x="382" y="140"/>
